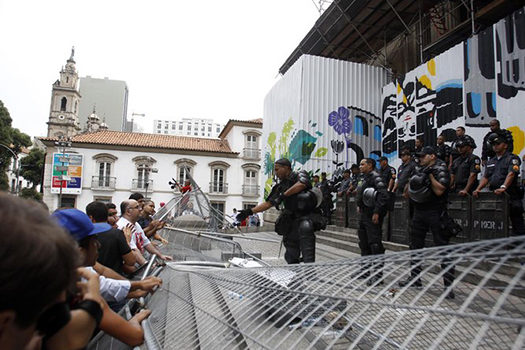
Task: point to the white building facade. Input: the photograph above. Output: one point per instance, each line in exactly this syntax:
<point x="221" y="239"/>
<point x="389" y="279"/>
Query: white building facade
<point x="194" y="127"/>
<point x="116" y="164"/>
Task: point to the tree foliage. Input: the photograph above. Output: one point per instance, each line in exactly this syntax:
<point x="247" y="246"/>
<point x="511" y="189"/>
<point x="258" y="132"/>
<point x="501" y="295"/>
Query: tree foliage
<point x="30" y="193"/>
<point x="32" y="165"/>
<point x="12" y="138"/>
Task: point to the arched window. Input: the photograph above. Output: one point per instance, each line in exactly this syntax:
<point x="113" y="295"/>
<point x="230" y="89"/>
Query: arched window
<point x="103" y="178"/>
<point x="144" y="166"/>
<point x="250" y="185"/>
<point x="184" y="167"/>
<point x="63" y="103"/>
<point x="251" y="144"/>
<point x="218" y="182"/>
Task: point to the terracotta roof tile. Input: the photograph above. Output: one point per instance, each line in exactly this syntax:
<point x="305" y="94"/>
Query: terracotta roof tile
<point x="117" y="138"/>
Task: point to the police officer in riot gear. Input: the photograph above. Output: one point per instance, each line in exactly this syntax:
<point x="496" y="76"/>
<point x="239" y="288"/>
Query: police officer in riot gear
<point x="454" y="152"/>
<point x="404" y="172"/>
<point x="442" y="149"/>
<point x="428" y="188"/>
<point x="501" y="174"/>
<point x="465" y="169"/>
<point x="387" y="172"/>
<point x="296" y="223"/>
<point x="371" y="199"/>
<point x="487" y="150"/>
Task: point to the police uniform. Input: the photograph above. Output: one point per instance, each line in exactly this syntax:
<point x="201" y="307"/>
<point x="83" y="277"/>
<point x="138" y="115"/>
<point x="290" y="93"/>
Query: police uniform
<point x="388" y="173"/>
<point x="454" y="153"/>
<point x="443" y="152"/>
<point x="327" y="204"/>
<point x="404" y="172"/>
<point x="462" y="167"/>
<point x="429" y="210"/>
<point x="487" y="152"/>
<point x="369" y="204"/>
<point x="299" y="237"/>
<point x="496" y="172"/>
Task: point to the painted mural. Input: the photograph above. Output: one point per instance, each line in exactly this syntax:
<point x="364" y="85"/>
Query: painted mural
<point x="476" y="81"/>
<point x="349" y="126"/>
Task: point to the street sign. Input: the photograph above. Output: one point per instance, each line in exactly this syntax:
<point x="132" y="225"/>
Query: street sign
<point x="64" y="159"/>
<point x="67" y="173"/>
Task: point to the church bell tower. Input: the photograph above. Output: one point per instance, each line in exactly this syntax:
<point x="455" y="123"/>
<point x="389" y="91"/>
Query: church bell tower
<point x="65" y="98"/>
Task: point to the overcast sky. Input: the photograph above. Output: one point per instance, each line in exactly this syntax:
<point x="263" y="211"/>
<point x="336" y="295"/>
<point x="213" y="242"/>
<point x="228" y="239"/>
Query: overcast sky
<point x="203" y="58"/>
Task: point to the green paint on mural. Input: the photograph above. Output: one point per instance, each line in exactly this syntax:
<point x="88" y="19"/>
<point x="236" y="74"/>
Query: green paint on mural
<point x="321" y="152"/>
<point x="285" y="135"/>
<point x="301" y="147"/>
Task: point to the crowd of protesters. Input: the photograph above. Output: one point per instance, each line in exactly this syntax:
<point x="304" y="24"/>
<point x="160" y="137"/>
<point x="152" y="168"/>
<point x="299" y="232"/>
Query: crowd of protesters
<point x="65" y="275"/>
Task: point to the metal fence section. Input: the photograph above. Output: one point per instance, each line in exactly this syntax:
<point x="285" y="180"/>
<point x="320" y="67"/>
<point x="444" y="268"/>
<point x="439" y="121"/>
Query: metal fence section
<point x="341" y="305"/>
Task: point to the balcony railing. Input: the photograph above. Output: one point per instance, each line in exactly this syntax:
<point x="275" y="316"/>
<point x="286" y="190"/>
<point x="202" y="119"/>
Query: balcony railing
<point x="105" y="183"/>
<point x="251" y="153"/>
<point x="250" y="190"/>
<point x="140" y="184"/>
<point x="218" y="187"/>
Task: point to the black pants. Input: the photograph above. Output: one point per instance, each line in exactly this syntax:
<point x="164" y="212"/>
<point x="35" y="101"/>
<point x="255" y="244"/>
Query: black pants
<point x="300" y="241"/>
<point x="422" y="222"/>
<point x="369" y="233"/>
<point x="516" y="217"/>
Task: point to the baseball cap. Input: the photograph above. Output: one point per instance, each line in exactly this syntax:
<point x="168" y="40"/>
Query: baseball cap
<point x="78" y="223"/>
<point x="426" y="150"/>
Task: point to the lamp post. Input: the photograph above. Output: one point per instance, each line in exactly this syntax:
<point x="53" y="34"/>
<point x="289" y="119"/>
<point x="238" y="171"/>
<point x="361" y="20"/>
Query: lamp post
<point x="63" y="143"/>
<point x="17" y="187"/>
<point x="146" y="184"/>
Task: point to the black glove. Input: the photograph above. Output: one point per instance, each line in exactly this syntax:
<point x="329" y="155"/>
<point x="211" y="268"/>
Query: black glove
<point x="243" y="214"/>
<point x="277" y="200"/>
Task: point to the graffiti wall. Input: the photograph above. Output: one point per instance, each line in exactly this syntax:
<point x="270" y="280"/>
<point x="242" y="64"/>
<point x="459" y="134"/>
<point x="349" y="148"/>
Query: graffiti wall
<point x="478" y="80"/>
<point x="324" y="115"/>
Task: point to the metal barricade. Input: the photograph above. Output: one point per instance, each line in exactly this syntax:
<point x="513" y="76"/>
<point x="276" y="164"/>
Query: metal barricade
<point x="460" y="209"/>
<point x="399" y="228"/>
<point x="489" y="216"/>
<point x="352" y="216"/>
<point x="340" y="211"/>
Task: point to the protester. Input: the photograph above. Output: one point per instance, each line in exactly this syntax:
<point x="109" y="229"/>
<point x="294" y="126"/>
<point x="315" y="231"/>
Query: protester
<point x="32" y="292"/>
<point x="148" y="224"/>
<point x="85" y="233"/>
<point x="112" y="214"/>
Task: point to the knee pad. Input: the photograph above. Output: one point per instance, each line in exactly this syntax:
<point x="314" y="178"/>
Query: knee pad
<point x="305" y="227"/>
<point x="377" y="248"/>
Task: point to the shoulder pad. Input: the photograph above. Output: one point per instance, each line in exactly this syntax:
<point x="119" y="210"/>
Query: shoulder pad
<point x="303" y="177"/>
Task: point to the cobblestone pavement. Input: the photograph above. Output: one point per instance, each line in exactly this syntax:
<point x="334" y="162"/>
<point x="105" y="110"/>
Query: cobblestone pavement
<point x="268" y="244"/>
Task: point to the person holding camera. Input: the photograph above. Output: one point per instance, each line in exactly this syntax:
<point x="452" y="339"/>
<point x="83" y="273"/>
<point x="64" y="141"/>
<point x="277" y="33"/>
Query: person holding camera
<point x="428" y="188"/>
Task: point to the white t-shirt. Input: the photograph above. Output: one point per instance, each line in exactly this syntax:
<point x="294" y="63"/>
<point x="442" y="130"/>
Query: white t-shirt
<point x="138" y="231"/>
<point x="112" y="290"/>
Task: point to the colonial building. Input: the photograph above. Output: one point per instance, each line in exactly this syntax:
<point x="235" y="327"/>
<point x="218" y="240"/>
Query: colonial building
<point x="188" y="126"/>
<point x="110" y="165"/>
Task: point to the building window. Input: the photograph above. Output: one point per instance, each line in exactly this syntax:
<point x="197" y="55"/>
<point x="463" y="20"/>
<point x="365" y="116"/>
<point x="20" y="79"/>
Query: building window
<point x="180" y="126"/>
<point x="159" y="126"/>
<point x="184" y="169"/>
<point x="219" y="211"/>
<point x="209" y="128"/>
<point x="63" y="104"/>
<point x="104" y="174"/>
<point x="218" y="129"/>
<point x="250" y="185"/>
<point x="144" y="166"/>
<point x="218" y="182"/>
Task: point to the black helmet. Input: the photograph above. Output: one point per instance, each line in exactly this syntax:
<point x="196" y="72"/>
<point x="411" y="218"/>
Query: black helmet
<point x="418" y="188"/>
<point x="495" y="138"/>
<point x="466" y="140"/>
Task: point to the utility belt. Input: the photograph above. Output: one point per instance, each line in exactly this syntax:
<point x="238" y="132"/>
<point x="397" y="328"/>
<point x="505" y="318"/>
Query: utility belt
<point x="287" y="219"/>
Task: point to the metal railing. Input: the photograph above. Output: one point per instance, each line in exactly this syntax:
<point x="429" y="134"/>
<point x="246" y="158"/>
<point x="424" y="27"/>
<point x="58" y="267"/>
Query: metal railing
<point x="251" y="153"/>
<point x="250" y="190"/>
<point x="218" y="187"/>
<point x="139" y="184"/>
<point x="106" y="183"/>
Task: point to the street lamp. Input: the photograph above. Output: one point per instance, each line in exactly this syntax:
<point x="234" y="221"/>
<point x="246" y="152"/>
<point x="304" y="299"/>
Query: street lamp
<point x="17" y="187"/>
<point x="63" y="143"/>
<point x="146" y="184"/>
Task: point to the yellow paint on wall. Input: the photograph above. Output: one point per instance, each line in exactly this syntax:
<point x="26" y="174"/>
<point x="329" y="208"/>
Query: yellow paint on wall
<point x="404" y="99"/>
<point x="425" y="81"/>
<point x="431" y="65"/>
<point x="398" y="88"/>
<point x="518" y="136"/>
